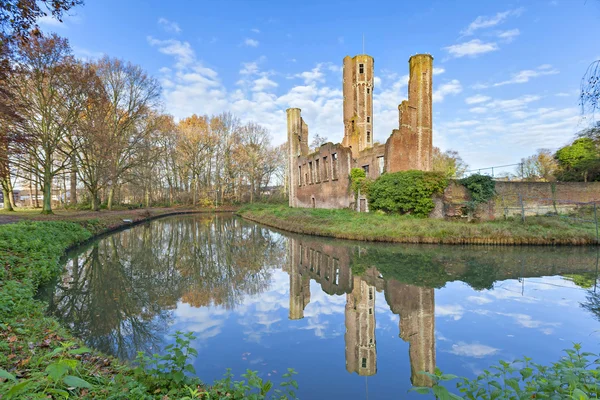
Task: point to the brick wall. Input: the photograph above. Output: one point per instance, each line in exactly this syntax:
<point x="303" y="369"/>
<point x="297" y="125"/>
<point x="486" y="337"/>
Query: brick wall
<point x="538" y="198"/>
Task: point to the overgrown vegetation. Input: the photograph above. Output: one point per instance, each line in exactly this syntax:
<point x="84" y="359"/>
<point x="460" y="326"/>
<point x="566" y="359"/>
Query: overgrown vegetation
<point x="574" y="376"/>
<point x="346" y="224"/>
<point x="482" y="189"/>
<point x="406" y="192"/>
<point x="359" y="181"/>
<point x="40" y="359"/>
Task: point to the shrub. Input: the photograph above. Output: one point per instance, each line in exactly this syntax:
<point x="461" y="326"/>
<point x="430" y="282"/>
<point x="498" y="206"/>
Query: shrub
<point x="406" y="192"/>
<point x="359" y="181"/>
<point x="481" y="188"/>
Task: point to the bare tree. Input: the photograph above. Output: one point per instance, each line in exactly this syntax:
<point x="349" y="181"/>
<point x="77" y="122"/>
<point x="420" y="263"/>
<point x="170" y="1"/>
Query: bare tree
<point x="132" y="96"/>
<point x="51" y="89"/>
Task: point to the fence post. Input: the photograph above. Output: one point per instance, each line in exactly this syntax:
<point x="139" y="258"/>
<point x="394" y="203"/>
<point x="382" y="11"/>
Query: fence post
<point x="522" y="208"/>
<point x="596" y="221"/>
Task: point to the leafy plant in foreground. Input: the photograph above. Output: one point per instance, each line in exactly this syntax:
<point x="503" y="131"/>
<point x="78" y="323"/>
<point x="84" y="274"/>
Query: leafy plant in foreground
<point x="574" y="376"/>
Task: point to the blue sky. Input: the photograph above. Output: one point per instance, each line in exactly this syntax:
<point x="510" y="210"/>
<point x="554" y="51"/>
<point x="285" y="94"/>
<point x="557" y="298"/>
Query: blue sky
<point x="506" y="81"/>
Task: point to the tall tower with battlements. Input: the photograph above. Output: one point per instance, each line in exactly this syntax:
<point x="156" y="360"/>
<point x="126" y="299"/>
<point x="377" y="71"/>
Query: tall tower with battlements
<point x="358" y="102"/>
<point x="361" y="351"/>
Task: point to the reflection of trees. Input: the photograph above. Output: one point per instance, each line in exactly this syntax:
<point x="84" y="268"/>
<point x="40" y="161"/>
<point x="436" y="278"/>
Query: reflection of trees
<point x="119" y="290"/>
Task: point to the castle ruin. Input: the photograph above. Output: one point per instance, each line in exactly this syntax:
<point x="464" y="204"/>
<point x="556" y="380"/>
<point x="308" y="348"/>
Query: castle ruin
<point x="321" y="179"/>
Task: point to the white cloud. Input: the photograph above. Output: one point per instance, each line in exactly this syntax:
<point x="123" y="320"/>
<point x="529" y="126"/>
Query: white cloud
<point x="182" y="51"/>
<point x="475" y="350"/>
<point x="471" y="48"/>
<point x="478" y="98"/>
<point x="482" y="22"/>
<point x="478" y="110"/>
<point x="169" y="26"/>
<point x="451" y="88"/>
<point x="255" y="30"/>
<point x="251" y="42"/>
<point x="523" y="76"/>
<point x="49" y="20"/>
<point x="314" y="75"/>
<point x="438" y="70"/>
<point x="263" y="83"/>
<point x="509" y="35"/>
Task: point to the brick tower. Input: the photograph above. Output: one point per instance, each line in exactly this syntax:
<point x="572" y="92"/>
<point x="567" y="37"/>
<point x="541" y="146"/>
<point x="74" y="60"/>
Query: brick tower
<point x="358" y="103"/>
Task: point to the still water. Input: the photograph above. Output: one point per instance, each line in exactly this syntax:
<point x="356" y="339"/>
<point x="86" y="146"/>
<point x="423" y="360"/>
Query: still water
<point x="355" y="320"/>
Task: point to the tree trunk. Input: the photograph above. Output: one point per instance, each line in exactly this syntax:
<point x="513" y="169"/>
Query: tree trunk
<point x="111" y="195"/>
<point x="95" y="206"/>
<point x="47" y="189"/>
<point x="37" y="194"/>
<point x="11" y="194"/>
<point x="73" y="199"/>
<point x="5" y="192"/>
<point x="147" y="196"/>
<point x="31" y="190"/>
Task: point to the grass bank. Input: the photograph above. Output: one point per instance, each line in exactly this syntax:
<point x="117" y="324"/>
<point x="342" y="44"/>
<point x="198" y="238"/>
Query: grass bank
<point x="39" y="358"/>
<point x="345" y="224"/>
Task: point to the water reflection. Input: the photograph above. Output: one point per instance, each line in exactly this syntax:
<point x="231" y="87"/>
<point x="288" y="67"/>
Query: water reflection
<point x="222" y="278"/>
<point x="118" y="293"/>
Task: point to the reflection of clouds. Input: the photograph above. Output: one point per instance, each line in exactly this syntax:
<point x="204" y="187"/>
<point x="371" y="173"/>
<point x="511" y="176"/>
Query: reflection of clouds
<point x="527" y="321"/>
<point x="322" y="304"/>
<point x="475" y="350"/>
<point x="205" y="322"/>
<point x="479" y="300"/>
<point x="455" y="311"/>
<point x="440" y="337"/>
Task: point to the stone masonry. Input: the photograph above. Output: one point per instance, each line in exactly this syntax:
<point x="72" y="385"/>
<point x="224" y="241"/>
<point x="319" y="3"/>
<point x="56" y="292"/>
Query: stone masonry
<point x="321" y="179"/>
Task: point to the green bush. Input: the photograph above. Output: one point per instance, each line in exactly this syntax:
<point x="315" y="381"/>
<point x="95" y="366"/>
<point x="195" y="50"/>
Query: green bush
<point x="359" y="181"/>
<point x="574" y="376"/>
<point x="406" y="192"/>
<point x="482" y="189"/>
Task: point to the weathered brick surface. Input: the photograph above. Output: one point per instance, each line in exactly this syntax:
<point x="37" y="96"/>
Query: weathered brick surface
<point x="537" y="197"/>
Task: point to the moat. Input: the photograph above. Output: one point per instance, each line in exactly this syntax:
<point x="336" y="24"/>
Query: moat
<point x="354" y="319"/>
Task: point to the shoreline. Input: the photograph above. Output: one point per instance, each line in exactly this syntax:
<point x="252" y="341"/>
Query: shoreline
<point x="338" y="224"/>
<point x="31" y="249"/>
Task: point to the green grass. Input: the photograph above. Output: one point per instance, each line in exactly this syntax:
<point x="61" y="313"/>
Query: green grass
<point x="346" y="224"/>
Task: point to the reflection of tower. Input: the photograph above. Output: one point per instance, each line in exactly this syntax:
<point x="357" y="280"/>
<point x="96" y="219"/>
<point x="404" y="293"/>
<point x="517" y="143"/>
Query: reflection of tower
<point x="417" y="326"/>
<point x="299" y="285"/>
<point x="361" y="354"/>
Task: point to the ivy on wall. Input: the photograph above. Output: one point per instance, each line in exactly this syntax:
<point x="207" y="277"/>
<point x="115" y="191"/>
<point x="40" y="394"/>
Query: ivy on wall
<point x="359" y="181"/>
<point x="406" y="192"/>
<point x="482" y="189"/>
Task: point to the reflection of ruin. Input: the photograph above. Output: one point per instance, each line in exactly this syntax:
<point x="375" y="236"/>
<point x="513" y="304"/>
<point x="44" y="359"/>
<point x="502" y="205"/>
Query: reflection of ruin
<point x="330" y="267"/>
<point x="361" y="354"/>
<point x="416" y="307"/>
<point x="299" y="289"/>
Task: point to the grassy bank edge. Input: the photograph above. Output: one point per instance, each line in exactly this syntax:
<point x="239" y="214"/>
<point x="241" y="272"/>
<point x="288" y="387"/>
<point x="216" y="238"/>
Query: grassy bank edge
<point x="30" y="251"/>
<point x="346" y="224"/>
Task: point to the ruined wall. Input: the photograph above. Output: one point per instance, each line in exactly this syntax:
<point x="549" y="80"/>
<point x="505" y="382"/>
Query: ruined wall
<point x="321" y="178"/>
<point x="313" y="184"/>
<point x="372" y="158"/>
<point x="410" y="146"/>
<point x="297" y="147"/>
<point x="538" y="198"/>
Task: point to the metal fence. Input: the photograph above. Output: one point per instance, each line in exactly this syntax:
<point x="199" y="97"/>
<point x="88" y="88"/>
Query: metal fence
<point x="499" y="172"/>
<point x="519" y="206"/>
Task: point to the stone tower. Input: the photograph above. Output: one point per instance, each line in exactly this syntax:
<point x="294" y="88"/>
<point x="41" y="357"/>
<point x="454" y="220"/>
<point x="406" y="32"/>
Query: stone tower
<point x="358" y="102"/>
<point x="361" y="353"/>
<point x="297" y="132"/>
<point x="410" y="146"/>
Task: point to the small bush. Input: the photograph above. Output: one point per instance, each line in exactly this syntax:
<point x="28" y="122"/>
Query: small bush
<point x="482" y="189"/>
<point x="575" y="376"/>
<point x="406" y="192"/>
